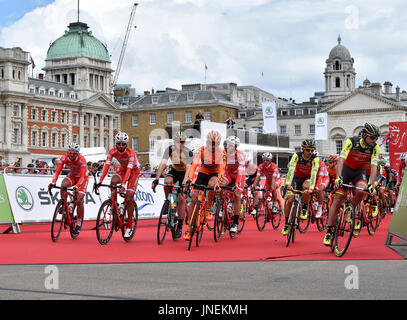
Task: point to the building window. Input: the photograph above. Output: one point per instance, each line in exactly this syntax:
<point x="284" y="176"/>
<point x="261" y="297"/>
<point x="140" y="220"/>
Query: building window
<point x="170" y="117"/>
<point x="297" y="129"/>
<point x="152" y="141"/>
<point x="283" y="129"/>
<point x="337" y="82"/>
<point x="63" y="140"/>
<point x="34" y="138"/>
<point x="114" y="123"/>
<point x="135" y="120"/>
<point x="188" y="116"/>
<point x="338" y="146"/>
<point x="134" y="142"/>
<point x="152" y="119"/>
<point x="154" y="100"/>
<point x="63" y="117"/>
<point x="54" y="116"/>
<point x="54" y="139"/>
<point x="173" y="98"/>
<point x="312" y="128"/>
<point x="85" y="141"/>
<point x="95" y="141"/>
<point x="312" y="111"/>
<point x="285" y="113"/>
<point x="95" y="121"/>
<point x="104" y="122"/>
<point x="32" y="90"/>
<point x="75" y="138"/>
<point x="33" y="114"/>
<point x="16" y="135"/>
<point x="44" y="137"/>
<point x="207" y="115"/>
<point x="190" y="96"/>
<point x="299" y="112"/>
<point x="85" y="120"/>
<point x="75" y="119"/>
<point x="16" y="111"/>
<point x="44" y="115"/>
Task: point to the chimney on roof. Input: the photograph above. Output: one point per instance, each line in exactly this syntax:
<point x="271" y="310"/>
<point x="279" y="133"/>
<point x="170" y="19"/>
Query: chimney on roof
<point x="41" y="76"/>
<point x="146" y="93"/>
<point x="388" y="87"/>
<point x="397" y="93"/>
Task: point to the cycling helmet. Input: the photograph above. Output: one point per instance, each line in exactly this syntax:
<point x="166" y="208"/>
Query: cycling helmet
<point x="333" y="158"/>
<point x="121" y="137"/>
<point x="371" y="129"/>
<point x="308" y="143"/>
<point x="403" y="156"/>
<point x="74" y="147"/>
<point x="382" y="162"/>
<point x="213" y="136"/>
<point x="267" y="156"/>
<point x="179" y="136"/>
<point x="233" y="140"/>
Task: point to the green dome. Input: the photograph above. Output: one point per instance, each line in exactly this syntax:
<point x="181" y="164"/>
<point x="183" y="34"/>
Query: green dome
<point x="78" y="41"/>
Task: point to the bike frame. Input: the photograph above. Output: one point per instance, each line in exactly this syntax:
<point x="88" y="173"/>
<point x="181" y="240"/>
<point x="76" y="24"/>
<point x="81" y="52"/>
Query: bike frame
<point x="66" y="211"/>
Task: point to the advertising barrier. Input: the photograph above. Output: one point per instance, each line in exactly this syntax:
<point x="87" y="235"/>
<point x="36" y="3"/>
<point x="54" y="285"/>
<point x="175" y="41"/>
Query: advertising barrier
<point x="6" y="215"/>
<point x="398" y="223"/>
<point x="30" y="201"/>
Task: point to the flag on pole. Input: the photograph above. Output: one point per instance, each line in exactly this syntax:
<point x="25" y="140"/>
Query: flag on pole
<point x="387" y="138"/>
<point x="269" y="117"/>
<point x="206" y="67"/>
<point x="32" y="61"/>
<point x="321" y="126"/>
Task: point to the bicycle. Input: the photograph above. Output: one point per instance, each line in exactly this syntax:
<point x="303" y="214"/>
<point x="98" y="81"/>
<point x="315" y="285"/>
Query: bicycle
<point x="364" y="216"/>
<point x="197" y="220"/>
<point x="312" y="209"/>
<point x="345" y="224"/>
<point x="248" y="199"/>
<point x="112" y="217"/>
<point x="64" y="214"/>
<point x="267" y="211"/>
<point x="224" y="209"/>
<point x="294" y="217"/>
<point x="169" y="216"/>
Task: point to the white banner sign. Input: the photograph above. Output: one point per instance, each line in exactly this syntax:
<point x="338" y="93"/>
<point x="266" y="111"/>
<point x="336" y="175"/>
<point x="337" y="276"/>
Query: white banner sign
<point x="269" y="117"/>
<point x="321" y="126"/>
<point x="31" y="202"/>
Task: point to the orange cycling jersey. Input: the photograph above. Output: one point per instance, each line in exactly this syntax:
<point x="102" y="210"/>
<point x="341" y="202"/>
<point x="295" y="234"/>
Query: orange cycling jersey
<point x="359" y="156"/>
<point x="209" y="162"/>
<point x="332" y="171"/>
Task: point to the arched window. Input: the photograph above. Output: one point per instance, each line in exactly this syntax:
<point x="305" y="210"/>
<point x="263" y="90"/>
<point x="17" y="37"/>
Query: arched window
<point x="337" y="65"/>
<point x="337" y="82"/>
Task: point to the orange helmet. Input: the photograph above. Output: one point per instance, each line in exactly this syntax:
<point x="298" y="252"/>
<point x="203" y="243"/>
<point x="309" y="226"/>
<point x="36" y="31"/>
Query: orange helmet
<point x="213" y="136"/>
<point x="333" y="157"/>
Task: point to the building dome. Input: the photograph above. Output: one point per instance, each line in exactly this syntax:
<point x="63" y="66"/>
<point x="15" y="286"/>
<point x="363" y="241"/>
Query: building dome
<point x="78" y="42"/>
<point x="339" y="52"/>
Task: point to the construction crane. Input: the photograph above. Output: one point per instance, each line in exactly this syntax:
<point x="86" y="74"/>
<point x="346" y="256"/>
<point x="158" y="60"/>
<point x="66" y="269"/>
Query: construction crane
<point x="126" y="38"/>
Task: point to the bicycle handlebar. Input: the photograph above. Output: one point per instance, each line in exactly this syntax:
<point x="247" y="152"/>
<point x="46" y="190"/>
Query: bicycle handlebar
<point x="61" y="188"/>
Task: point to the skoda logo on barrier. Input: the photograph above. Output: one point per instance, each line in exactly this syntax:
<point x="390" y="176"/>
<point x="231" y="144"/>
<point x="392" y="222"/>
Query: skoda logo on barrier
<point x="24" y="198"/>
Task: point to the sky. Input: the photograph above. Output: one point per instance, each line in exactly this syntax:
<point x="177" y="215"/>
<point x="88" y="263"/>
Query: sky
<point x="278" y="46"/>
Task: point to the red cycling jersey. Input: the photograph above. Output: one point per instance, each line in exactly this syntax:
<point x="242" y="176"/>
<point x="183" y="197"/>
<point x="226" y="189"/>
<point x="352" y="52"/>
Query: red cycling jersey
<point x="235" y="169"/>
<point x="78" y="174"/>
<point x="269" y="172"/>
<point x="322" y="176"/>
<point x="128" y="160"/>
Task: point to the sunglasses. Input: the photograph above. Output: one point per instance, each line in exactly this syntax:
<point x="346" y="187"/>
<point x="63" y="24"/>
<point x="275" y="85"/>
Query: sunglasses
<point x="373" y="137"/>
<point x="121" y="144"/>
<point x="308" y="149"/>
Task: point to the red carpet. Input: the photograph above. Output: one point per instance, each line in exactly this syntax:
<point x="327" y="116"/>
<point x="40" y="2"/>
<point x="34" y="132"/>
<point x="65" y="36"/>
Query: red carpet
<point x="34" y="246"/>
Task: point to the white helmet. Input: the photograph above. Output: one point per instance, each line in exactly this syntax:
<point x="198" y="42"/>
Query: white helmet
<point x="403" y="156"/>
<point x="121" y="137"/>
<point x="233" y="140"/>
<point x="267" y="156"/>
<point x="74" y="147"/>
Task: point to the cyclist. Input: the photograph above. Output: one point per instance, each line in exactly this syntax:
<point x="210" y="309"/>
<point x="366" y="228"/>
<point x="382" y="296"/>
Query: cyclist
<point x="235" y="174"/>
<point x="181" y="158"/>
<point x="302" y="174"/>
<point x="391" y="186"/>
<point x="269" y="170"/>
<point x="402" y="166"/>
<point x="128" y="172"/>
<point x="321" y="185"/>
<point x="78" y="177"/>
<point x="332" y="164"/>
<point x="358" y="154"/>
<point x="210" y="159"/>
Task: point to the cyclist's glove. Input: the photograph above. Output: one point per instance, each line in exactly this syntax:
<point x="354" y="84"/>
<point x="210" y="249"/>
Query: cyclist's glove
<point x="338" y="182"/>
<point x="154" y="184"/>
<point x="50" y="186"/>
<point x="371" y="189"/>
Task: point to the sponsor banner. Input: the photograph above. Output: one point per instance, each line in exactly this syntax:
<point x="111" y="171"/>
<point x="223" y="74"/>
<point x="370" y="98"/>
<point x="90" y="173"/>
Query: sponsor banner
<point x="321" y="126"/>
<point x="269" y="117"/>
<point x="6" y="216"/>
<point x="397" y="143"/>
<point x="31" y="202"/>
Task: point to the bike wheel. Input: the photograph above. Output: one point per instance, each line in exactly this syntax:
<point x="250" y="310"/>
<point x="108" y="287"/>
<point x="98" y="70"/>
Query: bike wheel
<point x="105" y="222"/>
<point x="276" y="215"/>
<point x="195" y="214"/>
<point x="163" y="222"/>
<point x="199" y="232"/>
<point x="344" y="229"/>
<point x="219" y="226"/>
<point x="58" y="220"/>
<point x="304" y="224"/>
<point x="358" y="221"/>
<point x="261" y="215"/>
<point x="292" y="225"/>
<point x="322" y="222"/>
<point x="242" y="216"/>
<point x="373" y="223"/>
<point x="135" y="221"/>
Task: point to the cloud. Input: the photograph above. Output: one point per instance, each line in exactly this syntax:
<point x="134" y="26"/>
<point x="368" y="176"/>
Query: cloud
<point x="288" y="41"/>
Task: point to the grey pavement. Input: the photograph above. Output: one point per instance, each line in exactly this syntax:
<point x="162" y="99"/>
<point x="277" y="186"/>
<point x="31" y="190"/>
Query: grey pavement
<point x="254" y="280"/>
